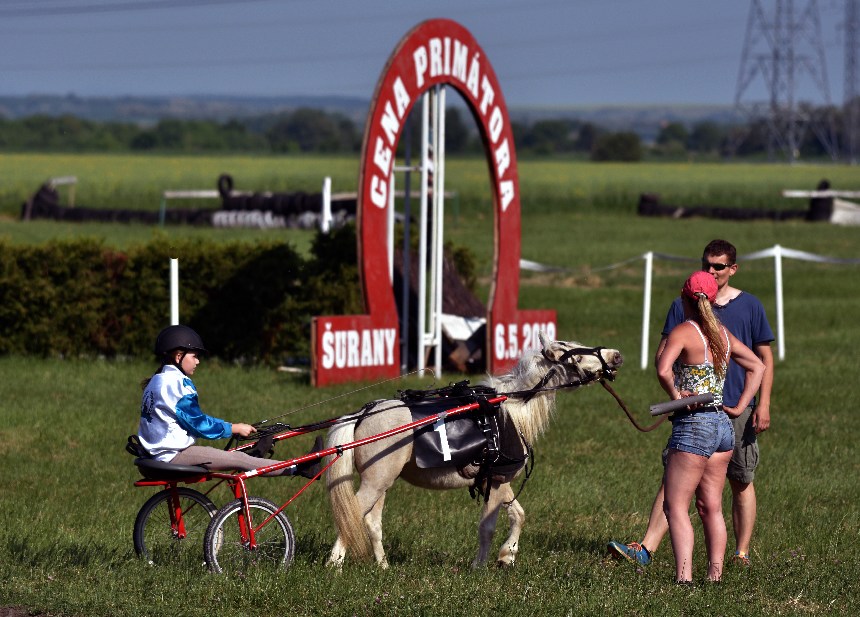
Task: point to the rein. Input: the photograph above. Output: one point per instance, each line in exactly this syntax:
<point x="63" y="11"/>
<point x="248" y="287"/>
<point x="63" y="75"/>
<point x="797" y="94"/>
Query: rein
<point x="627" y="411"/>
<point x="606" y="373"/>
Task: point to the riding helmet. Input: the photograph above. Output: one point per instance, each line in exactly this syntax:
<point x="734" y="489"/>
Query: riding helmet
<point x="178" y="337"/>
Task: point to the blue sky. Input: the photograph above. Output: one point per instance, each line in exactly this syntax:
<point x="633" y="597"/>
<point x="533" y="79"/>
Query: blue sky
<point x="545" y="52"/>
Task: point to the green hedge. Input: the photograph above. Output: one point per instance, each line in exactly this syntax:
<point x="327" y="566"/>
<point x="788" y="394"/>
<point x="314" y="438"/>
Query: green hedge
<point x="250" y="302"/>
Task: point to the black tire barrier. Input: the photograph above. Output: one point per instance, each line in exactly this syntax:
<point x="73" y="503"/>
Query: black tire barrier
<point x="225" y="185"/>
<point x="649" y="205"/>
<point x="297" y="210"/>
<point x="820" y="208"/>
<point x="80" y="214"/>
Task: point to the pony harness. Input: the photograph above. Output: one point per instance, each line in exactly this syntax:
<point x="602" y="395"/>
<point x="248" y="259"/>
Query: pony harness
<point x="483" y="438"/>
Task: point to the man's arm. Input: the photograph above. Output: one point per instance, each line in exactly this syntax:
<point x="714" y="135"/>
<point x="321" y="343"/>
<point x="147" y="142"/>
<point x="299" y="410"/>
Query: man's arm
<point x="761" y="415"/>
<point x="660" y="347"/>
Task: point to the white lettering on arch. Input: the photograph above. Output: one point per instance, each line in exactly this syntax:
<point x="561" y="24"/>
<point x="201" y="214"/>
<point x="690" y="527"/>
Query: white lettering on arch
<point x="489" y="95"/>
<point x="378" y="192"/>
<point x="382" y="156"/>
<point x="401" y="97"/>
<point x="474" y="75"/>
<point x="435" y="57"/>
<point x="503" y="158"/>
<point x="458" y="66"/>
<point x="496" y="124"/>
<point x="506" y="192"/>
<point x="390" y="124"/>
<point x="419" y="58"/>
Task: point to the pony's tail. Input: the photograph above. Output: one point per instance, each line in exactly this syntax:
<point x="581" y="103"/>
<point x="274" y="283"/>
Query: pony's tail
<point x="348" y="517"/>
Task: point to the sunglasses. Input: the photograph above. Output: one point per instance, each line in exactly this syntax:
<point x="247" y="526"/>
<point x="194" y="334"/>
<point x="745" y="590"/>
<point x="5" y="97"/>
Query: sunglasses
<point x="707" y="265"/>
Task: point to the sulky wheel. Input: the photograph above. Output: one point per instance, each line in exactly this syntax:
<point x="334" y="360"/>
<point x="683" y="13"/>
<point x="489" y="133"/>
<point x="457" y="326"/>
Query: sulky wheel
<point x="171" y="525"/>
<point x="226" y="546"/>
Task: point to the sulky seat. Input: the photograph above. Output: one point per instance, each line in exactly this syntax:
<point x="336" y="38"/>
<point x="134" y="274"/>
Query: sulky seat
<point x="152" y="469"/>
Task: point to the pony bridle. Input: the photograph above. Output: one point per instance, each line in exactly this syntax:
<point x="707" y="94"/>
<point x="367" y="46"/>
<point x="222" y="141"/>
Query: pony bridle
<point x="605" y="372"/>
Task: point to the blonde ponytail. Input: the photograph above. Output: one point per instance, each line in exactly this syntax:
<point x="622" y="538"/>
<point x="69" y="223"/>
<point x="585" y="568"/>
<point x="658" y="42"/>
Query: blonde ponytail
<point x="713" y="333"/>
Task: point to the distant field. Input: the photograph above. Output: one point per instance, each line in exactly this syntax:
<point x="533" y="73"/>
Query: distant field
<point x="137" y="182"/>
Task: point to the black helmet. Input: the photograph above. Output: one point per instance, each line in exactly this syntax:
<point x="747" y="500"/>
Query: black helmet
<point x="178" y="337"/>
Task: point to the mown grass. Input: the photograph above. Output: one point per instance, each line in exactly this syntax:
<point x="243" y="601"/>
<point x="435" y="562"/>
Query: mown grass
<point x="68" y="502"/>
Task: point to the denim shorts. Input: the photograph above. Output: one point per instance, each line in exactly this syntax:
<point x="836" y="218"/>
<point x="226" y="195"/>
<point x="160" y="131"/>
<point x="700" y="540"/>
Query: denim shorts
<point x="702" y="433"/>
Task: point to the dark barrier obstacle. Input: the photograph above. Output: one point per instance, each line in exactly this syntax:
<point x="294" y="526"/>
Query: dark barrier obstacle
<point x="820" y="209"/>
<point x="238" y="209"/>
<point x="45" y="204"/>
<point x="298" y="210"/>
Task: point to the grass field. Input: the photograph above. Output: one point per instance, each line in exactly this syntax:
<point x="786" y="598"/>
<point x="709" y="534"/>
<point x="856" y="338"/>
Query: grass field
<point x="68" y="503"/>
<point x="137" y="182"/>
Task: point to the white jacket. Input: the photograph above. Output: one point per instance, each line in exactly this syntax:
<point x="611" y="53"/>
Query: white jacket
<point x="170" y="416"/>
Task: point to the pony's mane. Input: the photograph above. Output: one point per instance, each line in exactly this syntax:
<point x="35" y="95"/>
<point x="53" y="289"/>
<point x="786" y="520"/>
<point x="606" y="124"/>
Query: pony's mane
<point x="531" y="417"/>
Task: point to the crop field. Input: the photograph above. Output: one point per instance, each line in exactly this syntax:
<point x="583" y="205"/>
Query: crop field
<point x="137" y="182"/>
<point x="68" y="501"/>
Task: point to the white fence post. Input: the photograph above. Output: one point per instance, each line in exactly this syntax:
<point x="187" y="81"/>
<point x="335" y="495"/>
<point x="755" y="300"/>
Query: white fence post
<point x="780" y="322"/>
<point x="174" y="291"/>
<point x="325" y="218"/>
<point x="646" y="308"/>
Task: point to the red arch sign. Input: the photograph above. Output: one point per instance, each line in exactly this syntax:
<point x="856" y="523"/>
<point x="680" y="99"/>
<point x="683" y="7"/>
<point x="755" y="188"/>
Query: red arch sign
<point x="359" y="347"/>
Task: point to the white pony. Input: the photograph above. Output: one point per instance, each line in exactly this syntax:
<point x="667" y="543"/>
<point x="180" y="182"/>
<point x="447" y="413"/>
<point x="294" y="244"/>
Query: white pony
<point x="530" y="388"/>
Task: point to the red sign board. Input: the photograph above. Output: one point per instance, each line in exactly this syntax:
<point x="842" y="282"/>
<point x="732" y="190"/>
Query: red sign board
<point x="365" y="347"/>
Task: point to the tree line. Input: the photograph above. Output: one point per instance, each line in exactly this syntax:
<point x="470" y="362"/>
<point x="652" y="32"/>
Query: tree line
<point x="307" y="130"/>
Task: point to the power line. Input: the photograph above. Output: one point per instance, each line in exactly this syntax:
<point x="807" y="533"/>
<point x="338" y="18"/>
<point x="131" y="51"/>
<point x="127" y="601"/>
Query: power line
<point x="28" y="10"/>
<point x="851" y="95"/>
<point x="778" y="48"/>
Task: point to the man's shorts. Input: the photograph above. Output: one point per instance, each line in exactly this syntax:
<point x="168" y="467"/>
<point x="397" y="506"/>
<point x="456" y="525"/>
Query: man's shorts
<point x="745" y="455"/>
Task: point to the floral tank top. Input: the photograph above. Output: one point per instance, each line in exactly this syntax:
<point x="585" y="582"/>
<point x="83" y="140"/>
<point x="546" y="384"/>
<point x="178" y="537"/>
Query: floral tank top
<point x="701" y="378"/>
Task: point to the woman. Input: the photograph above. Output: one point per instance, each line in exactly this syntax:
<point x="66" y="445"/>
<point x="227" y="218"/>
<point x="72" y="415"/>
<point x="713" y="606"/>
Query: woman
<point x="694" y="361"/>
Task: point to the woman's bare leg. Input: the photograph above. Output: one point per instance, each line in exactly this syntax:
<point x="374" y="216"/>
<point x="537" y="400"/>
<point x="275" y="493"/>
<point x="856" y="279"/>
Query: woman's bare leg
<point x="683" y="473"/>
<point x="709" y="503"/>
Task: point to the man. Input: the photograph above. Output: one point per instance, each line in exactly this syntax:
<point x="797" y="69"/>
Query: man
<point x="744" y="316"/>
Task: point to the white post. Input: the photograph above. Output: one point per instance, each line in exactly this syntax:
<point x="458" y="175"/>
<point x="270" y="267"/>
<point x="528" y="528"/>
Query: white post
<point x="389" y="236"/>
<point x="439" y="220"/>
<point x="780" y="321"/>
<point x="435" y="265"/>
<point x="646" y="307"/>
<point x="325" y="215"/>
<point x="174" y="291"/>
<point x="422" y="233"/>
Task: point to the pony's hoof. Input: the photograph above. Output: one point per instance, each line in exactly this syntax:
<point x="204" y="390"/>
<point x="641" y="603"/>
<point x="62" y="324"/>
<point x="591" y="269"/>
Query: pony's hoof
<point x="507" y="557"/>
<point x="334" y="564"/>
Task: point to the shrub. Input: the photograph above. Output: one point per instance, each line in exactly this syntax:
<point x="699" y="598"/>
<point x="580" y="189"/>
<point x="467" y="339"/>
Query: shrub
<point x="80" y="298"/>
<point x="624" y="146"/>
<point x="249" y="301"/>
